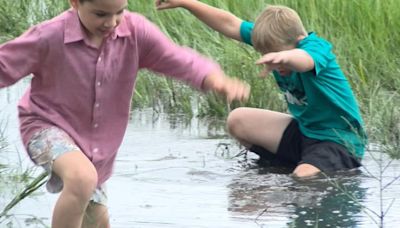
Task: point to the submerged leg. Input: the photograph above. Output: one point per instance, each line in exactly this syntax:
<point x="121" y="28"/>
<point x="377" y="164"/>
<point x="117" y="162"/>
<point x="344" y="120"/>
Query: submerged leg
<point x="96" y="216"/>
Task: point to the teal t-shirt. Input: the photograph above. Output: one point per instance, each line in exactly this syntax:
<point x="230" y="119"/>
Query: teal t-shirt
<point x="321" y="100"/>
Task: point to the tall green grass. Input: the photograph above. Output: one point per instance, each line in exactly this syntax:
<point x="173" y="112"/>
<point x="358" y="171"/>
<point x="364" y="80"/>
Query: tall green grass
<point x="365" y="35"/>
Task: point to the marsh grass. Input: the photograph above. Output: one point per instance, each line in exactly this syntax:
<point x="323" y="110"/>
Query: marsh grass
<point x="363" y="33"/>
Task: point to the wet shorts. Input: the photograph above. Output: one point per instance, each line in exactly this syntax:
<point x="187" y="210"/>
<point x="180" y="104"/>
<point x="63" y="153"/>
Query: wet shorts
<point x="46" y="146"/>
<point x="295" y="149"/>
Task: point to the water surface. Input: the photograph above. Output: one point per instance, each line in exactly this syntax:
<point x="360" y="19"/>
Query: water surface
<point x="174" y="172"/>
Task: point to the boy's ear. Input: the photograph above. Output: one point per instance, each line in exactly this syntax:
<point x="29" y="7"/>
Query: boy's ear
<point x="74" y="3"/>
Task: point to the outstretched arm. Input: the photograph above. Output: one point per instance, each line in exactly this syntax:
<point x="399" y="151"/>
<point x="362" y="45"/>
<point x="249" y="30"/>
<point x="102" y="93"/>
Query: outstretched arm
<point x="159" y="54"/>
<point x="220" y="20"/>
<point x="295" y="59"/>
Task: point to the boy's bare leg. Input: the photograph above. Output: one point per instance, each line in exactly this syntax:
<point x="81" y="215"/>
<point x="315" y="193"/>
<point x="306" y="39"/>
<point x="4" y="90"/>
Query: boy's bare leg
<point x="96" y="216"/>
<point x="305" y="170"/>
<point x="251" y="126"/>
<point x="80" y="179"/>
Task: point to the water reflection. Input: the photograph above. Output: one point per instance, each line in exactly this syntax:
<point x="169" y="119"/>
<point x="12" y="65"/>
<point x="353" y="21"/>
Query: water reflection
<point x="338" y="205"/>
<point x="273" y="197"/>
<point x="211" y="128"/>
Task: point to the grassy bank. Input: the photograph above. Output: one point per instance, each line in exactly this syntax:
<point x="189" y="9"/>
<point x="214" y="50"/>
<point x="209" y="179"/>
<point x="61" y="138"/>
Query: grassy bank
<point x="364" y="33"/>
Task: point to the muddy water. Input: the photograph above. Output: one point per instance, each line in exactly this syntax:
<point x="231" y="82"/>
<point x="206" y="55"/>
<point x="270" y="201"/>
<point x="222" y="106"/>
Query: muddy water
<point x="171" y="172"/>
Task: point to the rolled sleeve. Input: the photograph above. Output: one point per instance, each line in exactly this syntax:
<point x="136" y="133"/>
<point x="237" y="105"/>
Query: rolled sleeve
<point x="19" y="57"/>
<point x="246" y="29"/>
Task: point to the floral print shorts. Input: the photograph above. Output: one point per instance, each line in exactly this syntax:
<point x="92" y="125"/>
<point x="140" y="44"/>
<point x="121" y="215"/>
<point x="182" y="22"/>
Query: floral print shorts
<point x="46" y="146"/>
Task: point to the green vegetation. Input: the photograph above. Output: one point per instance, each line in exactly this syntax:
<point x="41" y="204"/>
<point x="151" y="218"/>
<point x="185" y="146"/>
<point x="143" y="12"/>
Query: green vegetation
<point x="364" y="34"/>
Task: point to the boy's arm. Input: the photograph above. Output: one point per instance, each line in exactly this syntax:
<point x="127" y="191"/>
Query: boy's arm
<point x="19" y="57"/>
<point x="159" y="54"/>
<point x="295" y="59"/>
<point x="220" y="20"/>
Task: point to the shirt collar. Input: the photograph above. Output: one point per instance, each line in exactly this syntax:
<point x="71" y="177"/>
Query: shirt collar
<point x="74" y="31"/>
<point x="122" y="29"/>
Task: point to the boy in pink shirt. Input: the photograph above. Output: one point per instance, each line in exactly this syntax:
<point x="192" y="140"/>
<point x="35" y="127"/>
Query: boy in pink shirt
<point x="73" y="117"/>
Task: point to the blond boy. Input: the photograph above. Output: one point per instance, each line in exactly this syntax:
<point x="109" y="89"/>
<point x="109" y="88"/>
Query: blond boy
<point x="324" y="130"/>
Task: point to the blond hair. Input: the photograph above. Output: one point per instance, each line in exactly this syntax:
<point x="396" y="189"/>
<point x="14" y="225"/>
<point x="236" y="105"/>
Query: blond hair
<point x="276" y="28"/>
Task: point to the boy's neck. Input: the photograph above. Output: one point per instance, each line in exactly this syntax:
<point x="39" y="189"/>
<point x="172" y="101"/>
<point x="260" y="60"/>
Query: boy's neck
<point x="96" y="42"/>
<point x="300" y="38"/>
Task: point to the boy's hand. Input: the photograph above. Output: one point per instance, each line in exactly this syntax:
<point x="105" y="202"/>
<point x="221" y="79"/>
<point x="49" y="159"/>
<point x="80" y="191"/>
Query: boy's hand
<point x="273" y="61"/>
<point x="232" y="88"/>
<point x="168" y="4"/>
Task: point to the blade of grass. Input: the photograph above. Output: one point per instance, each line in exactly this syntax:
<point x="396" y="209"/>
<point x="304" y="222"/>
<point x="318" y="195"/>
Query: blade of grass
<point x="29" y="189"/>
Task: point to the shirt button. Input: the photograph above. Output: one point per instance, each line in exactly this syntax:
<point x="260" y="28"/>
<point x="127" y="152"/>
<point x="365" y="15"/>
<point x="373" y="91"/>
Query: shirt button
<point x="95" y="150"/>
<point x="98" y="83"/>
<point x="95" y="125"/>
<point x="99" y="59"/>
<point x="97" y="105"/>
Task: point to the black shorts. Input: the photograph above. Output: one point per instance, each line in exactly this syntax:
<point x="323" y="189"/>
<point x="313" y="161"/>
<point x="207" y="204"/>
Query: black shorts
<point x="295" y="149"/>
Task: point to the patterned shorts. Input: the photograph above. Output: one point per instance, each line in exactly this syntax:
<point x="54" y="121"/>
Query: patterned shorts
<point x="46" y="146"/>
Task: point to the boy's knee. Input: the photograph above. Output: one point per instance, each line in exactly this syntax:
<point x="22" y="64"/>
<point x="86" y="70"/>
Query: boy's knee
<point x="81" y="181"/>
<point x="234" y="120"/>
<point x="305" y="170"/>
<point x="78" y="174"/>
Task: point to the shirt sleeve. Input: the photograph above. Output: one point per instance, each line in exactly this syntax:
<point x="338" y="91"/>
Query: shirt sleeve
<point x="320" y="51"/>
<point x="19" y="57"/>
<point x="246" y="29"/>
<point x="159" y="54"/>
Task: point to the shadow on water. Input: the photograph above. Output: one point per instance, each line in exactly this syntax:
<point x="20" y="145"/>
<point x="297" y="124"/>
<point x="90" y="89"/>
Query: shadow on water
<point x="172" y="171"/>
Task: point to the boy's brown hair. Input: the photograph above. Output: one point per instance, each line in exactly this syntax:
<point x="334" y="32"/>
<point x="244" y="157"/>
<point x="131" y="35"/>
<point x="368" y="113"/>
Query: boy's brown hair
<point x="277" y="27"/>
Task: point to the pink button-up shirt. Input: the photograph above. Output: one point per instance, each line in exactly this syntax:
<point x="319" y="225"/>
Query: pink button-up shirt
<point x="87" y="91"/>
